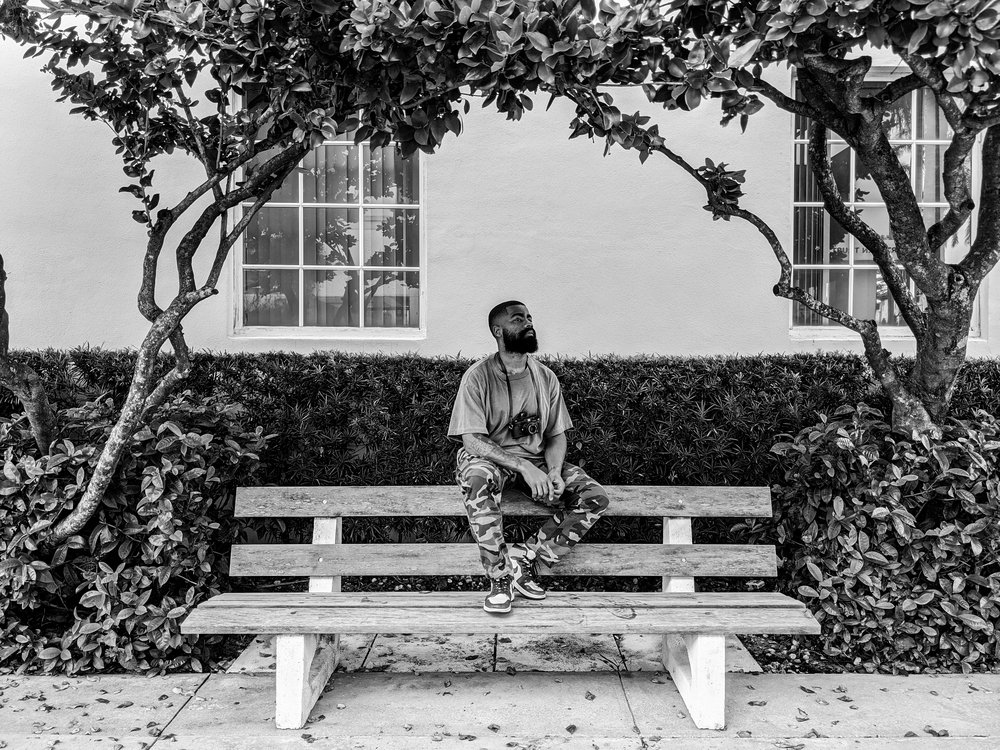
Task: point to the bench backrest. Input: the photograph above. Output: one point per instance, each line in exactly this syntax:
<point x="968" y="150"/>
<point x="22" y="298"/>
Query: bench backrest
<point x="677" y="560"/>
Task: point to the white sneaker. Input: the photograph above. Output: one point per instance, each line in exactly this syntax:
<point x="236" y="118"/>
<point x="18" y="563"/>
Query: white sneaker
<point x="498" y="601"/>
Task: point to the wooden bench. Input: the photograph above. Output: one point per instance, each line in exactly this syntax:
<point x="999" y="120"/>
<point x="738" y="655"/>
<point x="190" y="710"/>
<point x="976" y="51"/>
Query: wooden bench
<point x="307" y="625"/>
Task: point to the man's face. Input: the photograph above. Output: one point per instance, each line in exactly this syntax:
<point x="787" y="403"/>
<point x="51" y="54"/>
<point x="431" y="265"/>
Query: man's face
<point x="519" y="332"/>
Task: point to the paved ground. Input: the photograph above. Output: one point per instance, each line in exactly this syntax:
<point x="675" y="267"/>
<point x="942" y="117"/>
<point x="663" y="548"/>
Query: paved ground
<point x="456" y="706"/>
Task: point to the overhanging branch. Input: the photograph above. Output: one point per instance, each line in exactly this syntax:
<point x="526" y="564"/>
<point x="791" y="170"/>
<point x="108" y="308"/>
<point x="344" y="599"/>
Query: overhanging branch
<point x="985" y="251"/>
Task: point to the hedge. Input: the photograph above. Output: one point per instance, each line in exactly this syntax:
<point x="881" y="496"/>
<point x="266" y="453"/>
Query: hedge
<point x="376" y="419"/>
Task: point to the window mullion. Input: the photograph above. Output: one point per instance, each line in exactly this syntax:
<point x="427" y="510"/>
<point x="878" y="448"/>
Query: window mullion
<point x="302" y="248"/>
<point x="361" y="234"/>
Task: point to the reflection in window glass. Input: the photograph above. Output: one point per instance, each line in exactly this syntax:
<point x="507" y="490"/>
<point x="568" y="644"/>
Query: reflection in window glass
<point x="832" y="287"/>
<point x="330" y="236"/>
<point x="270" y="298"/>
<point x="819" y="239"/>
<point x="331" y="298"/>
<point x="343" y="249"/>
<point x="272" y="238"/>
<point x="389" y="178"/>
<point x="331" y="175"/>
<point x="392" y="299"/>
<point x="392" y="237"/>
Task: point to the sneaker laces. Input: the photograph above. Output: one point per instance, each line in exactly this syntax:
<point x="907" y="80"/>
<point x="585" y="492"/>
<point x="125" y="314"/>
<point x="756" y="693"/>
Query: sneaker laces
<point x="500" y="585"/>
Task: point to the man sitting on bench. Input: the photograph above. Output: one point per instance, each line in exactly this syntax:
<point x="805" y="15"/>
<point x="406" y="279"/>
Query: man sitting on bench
<point x="511" y="419"/>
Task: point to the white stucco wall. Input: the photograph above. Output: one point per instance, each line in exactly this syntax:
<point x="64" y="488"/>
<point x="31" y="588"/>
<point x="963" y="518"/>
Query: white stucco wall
<point x="609" y="255"/>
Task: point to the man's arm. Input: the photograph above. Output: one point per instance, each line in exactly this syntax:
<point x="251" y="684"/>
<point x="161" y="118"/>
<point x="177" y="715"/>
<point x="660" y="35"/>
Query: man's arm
<point x="555" y="452"/>
<point x="479" y="444"/>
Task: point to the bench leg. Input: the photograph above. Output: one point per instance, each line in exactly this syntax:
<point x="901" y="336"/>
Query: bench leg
<point x="303" y="665"/>
<point x="697" y="664"/>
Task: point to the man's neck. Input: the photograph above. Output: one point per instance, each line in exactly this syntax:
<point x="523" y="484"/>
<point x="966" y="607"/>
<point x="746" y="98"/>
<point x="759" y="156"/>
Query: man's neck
<point x="514" y="362"/>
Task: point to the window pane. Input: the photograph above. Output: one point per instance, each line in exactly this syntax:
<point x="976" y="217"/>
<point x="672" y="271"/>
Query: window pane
<point x="806" y="189"/>
<point x="331" y="175"/>
<point x="289" y="190"/>
<point x="877" y="217"/>
<point x="392" y="299"/>
<point x="872" y="300"/>
<point x="389" y="178"/>
<point x="865" y="190"/>
<point x="840" y="163"/>
<point x="931" y="123"/>
<point x="272" y="238"/>
<point x="331" y="298"/>
<point x="830" y="286"/>
<point x="270" y="298"/>
<point x="819" y="239"/>
<point x="392" y="237"/>
<point x="330" y="236"/>
<point x="930" y="168"/>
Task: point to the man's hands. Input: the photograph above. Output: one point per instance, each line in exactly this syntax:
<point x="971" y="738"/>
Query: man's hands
<point x="558" y="483"/>
<point x="544" y="487"/>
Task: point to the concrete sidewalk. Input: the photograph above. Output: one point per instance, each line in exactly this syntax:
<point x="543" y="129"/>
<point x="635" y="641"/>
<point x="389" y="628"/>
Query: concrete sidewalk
<point x="610" y="708"/>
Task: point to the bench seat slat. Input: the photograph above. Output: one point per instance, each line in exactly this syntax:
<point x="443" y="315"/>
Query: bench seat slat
<point x="462" y="599"/>
<point x="756" y="560"/>
<point x="526" y="617"/>
<point x="446" y="500"/>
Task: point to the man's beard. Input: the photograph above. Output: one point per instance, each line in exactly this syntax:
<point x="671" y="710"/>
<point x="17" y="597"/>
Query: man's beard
<point x="522" y="343"/>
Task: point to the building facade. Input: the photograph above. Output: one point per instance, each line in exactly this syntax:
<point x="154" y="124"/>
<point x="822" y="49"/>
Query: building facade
<point x="361" y="251"/>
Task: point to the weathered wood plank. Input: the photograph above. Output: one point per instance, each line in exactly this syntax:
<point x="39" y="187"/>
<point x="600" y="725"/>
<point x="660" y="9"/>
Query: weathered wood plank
<point x="446" y="500"/>
<point x="461" y="599"/>
<point x="677" y="531"/>
<point x="463" y="559"/>
<point x="524" y="618"/>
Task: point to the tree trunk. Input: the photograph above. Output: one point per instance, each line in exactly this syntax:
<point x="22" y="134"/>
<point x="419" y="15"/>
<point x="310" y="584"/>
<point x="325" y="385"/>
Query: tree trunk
<point x="129" y="420"/>
<point x="940" y="356"/>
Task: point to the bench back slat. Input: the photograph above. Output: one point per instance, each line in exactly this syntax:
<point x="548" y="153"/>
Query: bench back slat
<point x="446" y="500"/>
<point x="463" y="559"/>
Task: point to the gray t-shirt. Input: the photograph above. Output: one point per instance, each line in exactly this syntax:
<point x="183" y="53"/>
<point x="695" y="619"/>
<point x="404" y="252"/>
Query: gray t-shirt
<point x="481" y="405"/>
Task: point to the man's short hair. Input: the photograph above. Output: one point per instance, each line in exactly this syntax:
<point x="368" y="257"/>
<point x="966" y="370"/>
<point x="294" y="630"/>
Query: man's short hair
<point x="499" y="310"/>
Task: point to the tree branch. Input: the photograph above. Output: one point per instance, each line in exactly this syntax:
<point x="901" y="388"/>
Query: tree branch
<point x="985" y="251"/>
<point x="128" y="420"/>
<point x="934" y="79"/>
<point x="290" y="158"/>
<point x="898" y="88"/>
<point x="180" y="371"/>
<point x="781" y="100"/>
<point x="897" y="282"/>
<point x="957" y="178"/>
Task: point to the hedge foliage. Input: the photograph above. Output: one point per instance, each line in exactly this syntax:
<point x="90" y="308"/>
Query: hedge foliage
<point x="896" y="541"/>
<point x="381" y="419"/>
<point x="113" y="597"/>
<point x="375" y="419"/>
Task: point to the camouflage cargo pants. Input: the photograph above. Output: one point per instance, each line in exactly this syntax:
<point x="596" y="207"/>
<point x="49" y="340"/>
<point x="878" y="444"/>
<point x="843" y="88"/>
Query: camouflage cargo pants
<point x="483" y="482"/>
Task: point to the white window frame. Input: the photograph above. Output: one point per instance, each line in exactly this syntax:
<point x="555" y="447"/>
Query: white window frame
<point x="887" y="333"/>
<point x="336" y="333"/>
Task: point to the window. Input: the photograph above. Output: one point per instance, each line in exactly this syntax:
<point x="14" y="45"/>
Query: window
<point x="337" y="247"/>
<point x="827" y="261"/>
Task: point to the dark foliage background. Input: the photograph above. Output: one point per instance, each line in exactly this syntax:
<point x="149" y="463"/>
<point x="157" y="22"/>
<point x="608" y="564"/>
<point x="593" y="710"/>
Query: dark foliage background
<point x="381" y="419"/>
<point x="375" y="419"/>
